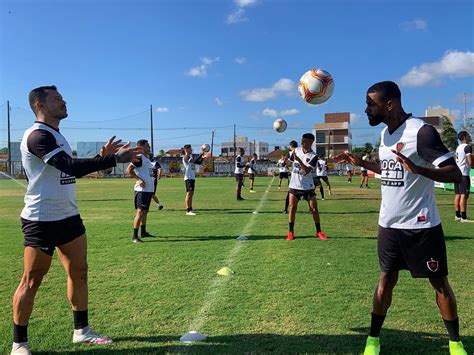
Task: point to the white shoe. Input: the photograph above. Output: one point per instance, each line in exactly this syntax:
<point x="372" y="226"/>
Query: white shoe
<point x="190" y="213"/>
<point x="467" y="220"/>
<point x="456" y="218"/>
<point x="88" y="336"/>
<point x="20" y="348"/>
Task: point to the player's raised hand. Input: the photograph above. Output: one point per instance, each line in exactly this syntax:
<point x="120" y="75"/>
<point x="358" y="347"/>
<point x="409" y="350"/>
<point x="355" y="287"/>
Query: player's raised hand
<point x="347" y="157"/>
<point x="111" y="147"/>
<point x="407" y="163"/>
<point x="126" y="154"/>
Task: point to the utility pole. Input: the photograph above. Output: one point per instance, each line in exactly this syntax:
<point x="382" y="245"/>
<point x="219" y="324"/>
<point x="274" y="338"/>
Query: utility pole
<point x="151" y="130"/>
<point x="8" y="140"/>
<point x="254" y="149"/>
<point x="235" y="147"/>
<point x="212" y="150"/>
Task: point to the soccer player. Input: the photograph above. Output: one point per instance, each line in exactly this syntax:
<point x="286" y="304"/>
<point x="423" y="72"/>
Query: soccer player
<point x="365" y="176"/>
<point x="410" y="234"/>
<point x="142" y="171"/>
<point x="156" y="176"/>
<point x="349" y="168"/>
<point x="287" y="158"/>
<point x="190" y="176"/>
<point x="50" y="219"/>
<point x="252" y="171"/>
<point x="283" y="169"/>
<point x="465" y="162"/>
<point x="322" y="174"/>
<point x="240" y="166"/>
<point x="304" y="161"/>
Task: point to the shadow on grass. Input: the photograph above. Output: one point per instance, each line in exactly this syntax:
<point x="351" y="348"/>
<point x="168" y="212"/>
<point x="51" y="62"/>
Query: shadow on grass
<point x="104" y="199"/>
<point x="393" y="342"/>
<point x="165" y="239"/>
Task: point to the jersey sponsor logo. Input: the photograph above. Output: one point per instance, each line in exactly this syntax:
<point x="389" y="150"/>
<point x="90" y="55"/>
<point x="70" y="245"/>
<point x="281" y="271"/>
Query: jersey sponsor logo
<point x="421" y="218"/>
<point x="432" y="265"/>
<point x="66" y="179"/>
<point x="392" y="173"/>
<point x="399" y="146"/>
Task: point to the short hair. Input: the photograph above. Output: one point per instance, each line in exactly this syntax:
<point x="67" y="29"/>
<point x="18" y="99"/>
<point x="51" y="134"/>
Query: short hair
<point x="241" y="150"/>
<point x="387" y="89"/>
<point x="309" y="136"/>
<point x="255" y="154"/>
<point x="39" y="94"/>
<point x="142" y="142"/>
<point x="293" y="144"/>
<point x="462" y="135"/>
<point x="187" y="146"/>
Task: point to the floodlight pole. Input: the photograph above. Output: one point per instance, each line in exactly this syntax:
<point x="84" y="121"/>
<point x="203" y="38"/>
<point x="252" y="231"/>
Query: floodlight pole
<point x="8" y="139"/>
<point x="151" y="130"/>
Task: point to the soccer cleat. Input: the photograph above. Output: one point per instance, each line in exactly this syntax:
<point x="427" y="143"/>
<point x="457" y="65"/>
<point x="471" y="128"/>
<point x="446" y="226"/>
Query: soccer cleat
<point x="284" y="212"/>
<point x="20" y="349"/>
<point x="279" y="187"/>
<point x="190" y="213"/>
<point x="456" y="348"/>
<point x="240" y="198"/>
<point x="291" y="236"/>
<point x="466" y="220"/>
<point x="252" y="191"/>
<point x="147" y="235"/>
<point x="372" y="346"/>
<point x="160" y="207"/>
<point x="456" y="218"/>
<point x="321" y="235"/>
<point x="88" y="336"/>
<point x="137" y="240"/>
<point x="322" y="199"/>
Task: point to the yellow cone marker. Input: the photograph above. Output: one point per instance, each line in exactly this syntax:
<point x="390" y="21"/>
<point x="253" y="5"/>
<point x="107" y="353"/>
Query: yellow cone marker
<point x="225" y="271"/>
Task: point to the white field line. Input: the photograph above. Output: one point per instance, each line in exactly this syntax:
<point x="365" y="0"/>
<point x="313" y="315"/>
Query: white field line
<point x="219" y="282"/>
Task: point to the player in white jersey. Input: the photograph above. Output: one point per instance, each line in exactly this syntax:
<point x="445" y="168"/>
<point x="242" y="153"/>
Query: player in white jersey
<point x="349" y="169"/>
<point x="410" y="233"/>
<point x="287" y="158"/>
<point x="189" y="175"/>
<point x="50" y="219"/>
<point x="252" y="171"/>
<point x="283" y="170"/>
<point x="156" y="176"/>
<point x="364" y="180"/>
<point x="240" y="166"/>
<point x="143" y="171"/>
<point x="465" y="162"/>
<point x="301" y="185"/>
<point x="321" y="174"/>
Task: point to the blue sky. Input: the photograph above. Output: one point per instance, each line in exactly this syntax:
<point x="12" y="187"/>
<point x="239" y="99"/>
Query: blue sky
<point x="207" y="65"/>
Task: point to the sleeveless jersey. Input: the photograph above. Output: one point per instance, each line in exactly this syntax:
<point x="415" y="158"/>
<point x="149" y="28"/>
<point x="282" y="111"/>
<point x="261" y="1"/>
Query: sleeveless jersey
<point x="51" y="194"/>
<point x="253" y="166"/>
<point x="239" y="165"/>
<point x="189" y="167"/>
<point x="321" y="168"/>
<point x="145" y="171"/>
<point x="300" y="180"/>
<point x="281" y="164"/>
<point x="408" y="200"/>
<point x="462" y="151"/>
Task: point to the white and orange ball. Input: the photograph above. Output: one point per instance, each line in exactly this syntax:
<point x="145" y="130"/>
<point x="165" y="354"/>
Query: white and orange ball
<point x="316" y="86"/>
<point x="205" y="147"/>
<point x="280" y="125"/>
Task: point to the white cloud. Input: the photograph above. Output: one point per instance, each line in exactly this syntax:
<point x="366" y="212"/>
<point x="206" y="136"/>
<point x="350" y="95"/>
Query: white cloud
<point x="354" y="118"/>
<point x="290" y="112"/>
<point x="270" y="112"/>
<point x="244" y="3"/>
<point x="162" y="109"/>
<point x="264" y="94"/>
<point x="452" y="64"/>
<point x="413" y="25"/>
<point x="236" y="17"/>
<point x="456" y="114"/>
<point x="218" y="101"/>
<point x="201" y="70"/>
<point x="240" y="60"/>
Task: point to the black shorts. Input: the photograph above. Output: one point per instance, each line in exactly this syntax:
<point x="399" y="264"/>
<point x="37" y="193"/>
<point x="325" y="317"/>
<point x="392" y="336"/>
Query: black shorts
<point x="143" y="200"/>
<point x="464" y="187"/>
<point x="317" y="180"/>
<point x="422" y="251"/>
<point x="251" y="176"/>
<point x="284" y="175"/>
<point x="49" y="235"/>
<point x="364" y="172"/>
<point x="239" y="177"/>
<point x="302" y="194"/>
<point x="190" y="183"/>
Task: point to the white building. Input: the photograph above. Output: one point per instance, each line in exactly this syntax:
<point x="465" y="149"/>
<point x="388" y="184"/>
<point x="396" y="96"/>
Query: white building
<point x="250" y="147"/>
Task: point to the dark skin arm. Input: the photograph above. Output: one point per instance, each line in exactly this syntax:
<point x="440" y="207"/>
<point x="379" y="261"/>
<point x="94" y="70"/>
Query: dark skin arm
<point x="356" y="161"/>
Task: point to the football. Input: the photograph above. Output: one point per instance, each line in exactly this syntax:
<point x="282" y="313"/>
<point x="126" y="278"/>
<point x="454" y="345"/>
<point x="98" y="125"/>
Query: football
<point x="205" y="147"/>
<point x="316" y="86"/>
<point x="280" y="125"/>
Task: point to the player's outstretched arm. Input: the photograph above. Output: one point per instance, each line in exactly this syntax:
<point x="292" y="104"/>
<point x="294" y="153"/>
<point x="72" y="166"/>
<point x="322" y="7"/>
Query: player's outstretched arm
<point x="356" y="161"/>
<point x="111" y="147"/>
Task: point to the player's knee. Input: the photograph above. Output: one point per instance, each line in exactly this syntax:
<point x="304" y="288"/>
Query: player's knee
<point x="31" y="281"/>
<point x="79" y="273"/>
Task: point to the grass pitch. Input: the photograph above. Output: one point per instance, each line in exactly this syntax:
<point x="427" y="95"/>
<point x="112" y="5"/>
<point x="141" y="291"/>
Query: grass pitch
<point x="305" y="296"/>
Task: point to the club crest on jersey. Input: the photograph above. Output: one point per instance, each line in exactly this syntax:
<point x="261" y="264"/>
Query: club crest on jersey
<point x="432" y="265"/>
<point x="399" y="147"/>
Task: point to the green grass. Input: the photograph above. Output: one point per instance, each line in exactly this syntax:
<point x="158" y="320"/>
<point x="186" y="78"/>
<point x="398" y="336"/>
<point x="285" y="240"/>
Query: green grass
<point x="305" y="296"/>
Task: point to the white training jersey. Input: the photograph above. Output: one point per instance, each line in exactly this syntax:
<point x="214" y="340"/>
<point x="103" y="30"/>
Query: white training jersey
<point x="239" y="164"/>
<point x="462" y="151"/>
<point x="365" y="158"/>
<point x="253" y="166"/>
<point x="300" y="180"/>
<point x="144" y="169"/>
<point x="189" y="167"/>
<point x="281" y="164"/>
<point x="51" y="194"/>
<point x="349" y="167"/>
<point x="408" y="200"/>
<point x="321" y="168"/>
